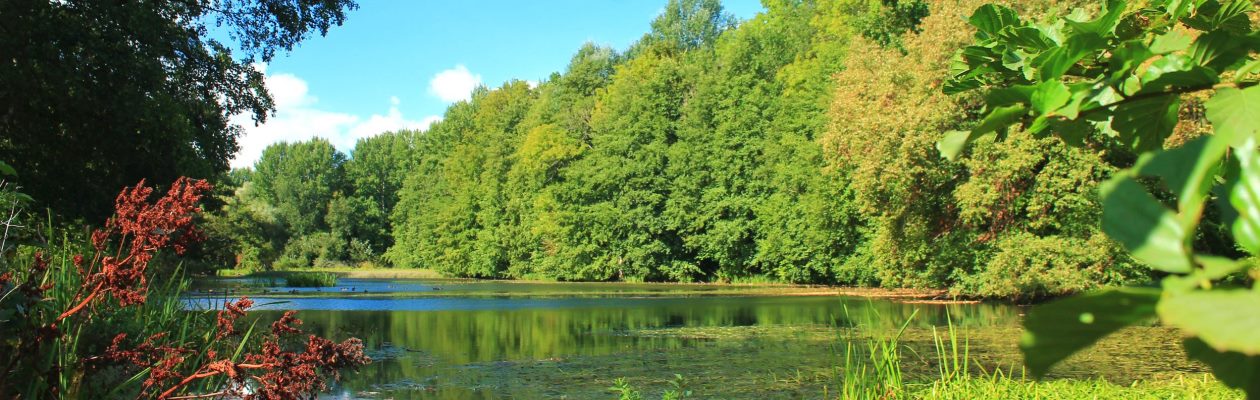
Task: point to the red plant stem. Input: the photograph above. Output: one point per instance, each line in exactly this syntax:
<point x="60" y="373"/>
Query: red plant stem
<point x="202" y="375"/>
<point x="84" y="303"/>
<point x="198" y="396"/>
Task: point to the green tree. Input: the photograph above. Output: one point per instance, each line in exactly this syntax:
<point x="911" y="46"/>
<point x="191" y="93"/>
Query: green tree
<point x="609" y="209"/>
<point x="375" y="174"/>
<point x="98" y="95"/>
<point x="299" y="180"/>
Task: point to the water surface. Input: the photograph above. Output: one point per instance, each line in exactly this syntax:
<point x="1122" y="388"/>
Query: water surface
<point x="483" y="340"/>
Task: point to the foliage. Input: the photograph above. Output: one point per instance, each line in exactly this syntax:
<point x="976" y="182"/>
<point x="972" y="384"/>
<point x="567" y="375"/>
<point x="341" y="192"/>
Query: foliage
<point x="972" y="226"/>
<point x="67" y="319"/>
<point x="102" y="94"/>
<point x="888" y="20"/>
<point x="1118" y="79"/>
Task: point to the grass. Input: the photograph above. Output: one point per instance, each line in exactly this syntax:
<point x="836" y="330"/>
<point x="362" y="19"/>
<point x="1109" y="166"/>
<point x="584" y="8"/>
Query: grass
<point x="310" y="279"/>
<point x="370" y="272"/>
<point x="879" y="367"/>
<point x="878" y="373"/>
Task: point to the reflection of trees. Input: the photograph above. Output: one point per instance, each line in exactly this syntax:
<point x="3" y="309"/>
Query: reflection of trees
<point x="448" y="339"/>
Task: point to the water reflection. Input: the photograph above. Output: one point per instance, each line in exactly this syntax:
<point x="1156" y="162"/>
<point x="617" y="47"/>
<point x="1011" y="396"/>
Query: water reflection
<point x="729" y="346"/>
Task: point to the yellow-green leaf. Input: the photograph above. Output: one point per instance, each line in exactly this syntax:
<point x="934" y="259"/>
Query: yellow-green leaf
<point x="1150" y="231"/>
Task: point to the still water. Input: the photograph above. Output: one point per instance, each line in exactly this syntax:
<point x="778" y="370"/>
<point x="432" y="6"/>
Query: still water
<point x="487" y="340"/>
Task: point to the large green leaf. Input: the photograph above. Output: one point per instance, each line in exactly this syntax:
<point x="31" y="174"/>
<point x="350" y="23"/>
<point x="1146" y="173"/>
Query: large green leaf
<point x="1144" y="124"/>
<point x="1174" y="40"/>
<point x="991" y="18"/>
<point x="1234" y="369"/>
<point x="1233" y="113"/>
<point x="1176" y="72"/>
<point x="1151" y="232"/>
<point x="1049" y="96"/>
<point x="1027" y="37"/>
<point x="1244" y="196"/>
<point x="1226" y="319"/>
<point x="1211" y="268"/>
<point x="1055" y="330"/>
<point x="1006" y="96"/>
<point x="5" y="169"/>
<point x="1187" y="170"/>
<point x="1055" y="62"/>
<point x="1000" y="118"/>
<point x="1218" y="50"/>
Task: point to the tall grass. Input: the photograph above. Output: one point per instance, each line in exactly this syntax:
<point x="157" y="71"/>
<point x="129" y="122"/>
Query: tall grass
<point x="310" y="279"/>
<point x="872" y="369"/>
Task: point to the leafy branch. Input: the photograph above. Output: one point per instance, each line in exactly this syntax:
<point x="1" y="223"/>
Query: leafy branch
<point x="1142" y="61"/>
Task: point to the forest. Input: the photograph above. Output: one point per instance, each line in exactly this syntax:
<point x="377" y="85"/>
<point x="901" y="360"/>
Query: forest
<point x="798" y="146"/>
<point x="1099" y="158"/>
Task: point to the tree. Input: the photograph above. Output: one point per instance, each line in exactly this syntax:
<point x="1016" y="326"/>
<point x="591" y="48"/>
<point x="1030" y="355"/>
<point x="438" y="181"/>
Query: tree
<point x="375" y="174"/>
<point x="98" y="95"/>
<point x="299" y="180"/>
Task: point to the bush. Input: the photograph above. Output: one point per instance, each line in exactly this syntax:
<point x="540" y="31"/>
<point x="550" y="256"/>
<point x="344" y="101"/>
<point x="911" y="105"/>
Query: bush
<point x="1028" y="267"/>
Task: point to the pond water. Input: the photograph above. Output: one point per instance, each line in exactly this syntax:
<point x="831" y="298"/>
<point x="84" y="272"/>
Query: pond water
<point x="484" y="340"/>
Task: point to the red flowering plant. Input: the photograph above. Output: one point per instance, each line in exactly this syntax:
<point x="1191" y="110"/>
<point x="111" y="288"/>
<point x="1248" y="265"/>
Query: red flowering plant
<point x="90" y="324"/>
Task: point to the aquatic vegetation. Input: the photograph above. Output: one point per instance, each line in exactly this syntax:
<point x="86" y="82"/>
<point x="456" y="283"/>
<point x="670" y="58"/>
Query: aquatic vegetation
<point x="310" y="279"/>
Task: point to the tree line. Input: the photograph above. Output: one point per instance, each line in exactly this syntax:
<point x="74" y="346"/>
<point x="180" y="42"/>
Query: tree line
<point x="798" y="146"/>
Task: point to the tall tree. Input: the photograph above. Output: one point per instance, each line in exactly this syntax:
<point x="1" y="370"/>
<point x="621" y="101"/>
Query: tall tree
<point x="95" y="95"/>
<point x="299" y="180"/>
<point x="375" y="174"/>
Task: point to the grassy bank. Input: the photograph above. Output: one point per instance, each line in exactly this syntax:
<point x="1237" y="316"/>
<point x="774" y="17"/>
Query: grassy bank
<point x="881" y="366"/>
<point x="361" y="273"/>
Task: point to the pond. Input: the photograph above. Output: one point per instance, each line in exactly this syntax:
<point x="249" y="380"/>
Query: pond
<point x="453" y="339"/>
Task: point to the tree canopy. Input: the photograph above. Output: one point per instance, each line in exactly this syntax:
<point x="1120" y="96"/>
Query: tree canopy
<point x="98" y="95"/>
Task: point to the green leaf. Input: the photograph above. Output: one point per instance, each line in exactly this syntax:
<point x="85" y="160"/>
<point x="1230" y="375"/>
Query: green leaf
<point x="1050" y="96"/>
<point x="991" y="18"/>
<point x="1027" y="37"/>
<point x="1227" y="320"/>
<point x="1000" y="118"/>
<point x="1173" y="41"/>
<point x="1233" y="113"/>
<point x="7" y="170"/>
<point x="1144" y="124"/>
<point x="1055" y="330"/>
<point x="1231" y="16"/>
<point x="1211" y="268"/>
<point x="1126" y="58"/>
<point x="1057" y="61"/>
<point x="1105" y="23"/>
<point x="1005" y="96"/>
<point x="1178" y="8"/>
<point x="1244" y="196"/>
<point x="1246" y="70"/>
<point x="1151" y="232"/>
<point x="1187" y="170"/>
<point x="1072" y="132"/>
<point x="1174" y="72"/>
<point x="1234" y="369"/>
<point x="1218" y="50"/>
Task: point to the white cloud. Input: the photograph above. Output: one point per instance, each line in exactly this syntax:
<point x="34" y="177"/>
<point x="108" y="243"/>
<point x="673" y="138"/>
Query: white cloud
<point x="298" y="118"/>
<point x="454" y="84"/>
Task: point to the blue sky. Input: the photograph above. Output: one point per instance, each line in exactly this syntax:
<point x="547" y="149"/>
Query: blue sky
<point x="398" y="64"/>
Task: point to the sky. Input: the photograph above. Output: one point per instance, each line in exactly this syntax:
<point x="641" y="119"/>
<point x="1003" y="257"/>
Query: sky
<point x="398" y="64"/>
